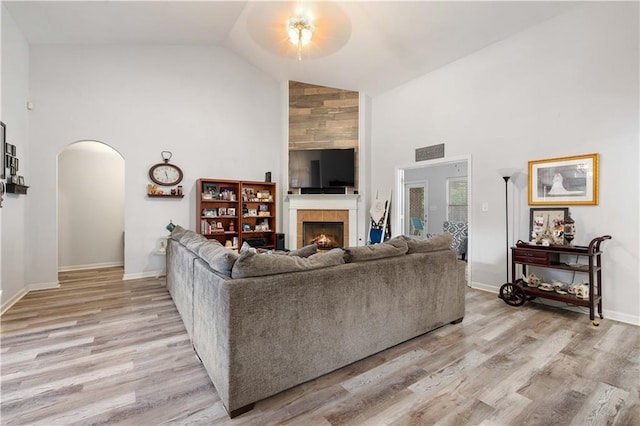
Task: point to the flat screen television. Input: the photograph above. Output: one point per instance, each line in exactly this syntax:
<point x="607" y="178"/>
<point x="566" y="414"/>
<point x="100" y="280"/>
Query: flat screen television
<point x="322" y="168"/>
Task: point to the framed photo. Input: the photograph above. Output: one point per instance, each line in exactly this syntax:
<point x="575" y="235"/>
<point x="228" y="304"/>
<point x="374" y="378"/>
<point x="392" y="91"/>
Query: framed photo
<point x="231" y="211"/>
<point x="564" y="180"/>
<point x="209" y="188"/>
<point x="548" y="224"/>
<point x="222" y="211"/>
<point x="252" y="212"/>
<point x="219" y="225"/>
<point x="3" y="143"/>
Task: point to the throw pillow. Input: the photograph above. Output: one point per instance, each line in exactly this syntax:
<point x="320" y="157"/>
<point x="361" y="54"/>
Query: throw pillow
<point x="177" y="233"/>
<point x="252" y="264"/>
<point x="219" y="258"/>
<point x="305" y="251"/>
<point x="425" y="245"/>
<point x="394" y="247"/>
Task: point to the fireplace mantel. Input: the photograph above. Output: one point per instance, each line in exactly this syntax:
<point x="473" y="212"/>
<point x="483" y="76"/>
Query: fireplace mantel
<point x="348" y="202"/>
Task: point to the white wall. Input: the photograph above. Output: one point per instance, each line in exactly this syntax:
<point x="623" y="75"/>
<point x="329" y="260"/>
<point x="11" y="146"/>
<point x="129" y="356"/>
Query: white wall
<point x="565" y="87"/>
<point x="219" y="116"/>
<point x="15" y="93"/>
<point x="90" y="207"/>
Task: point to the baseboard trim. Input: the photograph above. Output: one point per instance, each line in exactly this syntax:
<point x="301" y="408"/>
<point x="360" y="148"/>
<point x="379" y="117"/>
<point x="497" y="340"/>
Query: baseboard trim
<point x="612" y="315"/>
<point x="146" y="274"/>
<point x="485" y="287"/>
<point x="43" y="286"/>
<point x="9" y="303"/>
<point x="91" y="266"/>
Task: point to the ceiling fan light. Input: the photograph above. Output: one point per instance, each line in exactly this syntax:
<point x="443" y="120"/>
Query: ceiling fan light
<point x="299" y="30"/>
<point x="306" y="34"/>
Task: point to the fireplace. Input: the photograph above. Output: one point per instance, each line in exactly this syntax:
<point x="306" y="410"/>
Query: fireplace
<point x="322" y="208"/>
<point x="326" y="235"/>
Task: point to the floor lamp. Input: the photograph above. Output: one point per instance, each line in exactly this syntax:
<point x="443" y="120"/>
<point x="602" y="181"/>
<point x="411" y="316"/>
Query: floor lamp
<point x="506" y="220"/>
<point x="506" y="175"/>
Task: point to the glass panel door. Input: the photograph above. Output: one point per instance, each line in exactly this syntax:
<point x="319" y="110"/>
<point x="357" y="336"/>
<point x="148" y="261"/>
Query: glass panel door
<point x="415" y="195"/>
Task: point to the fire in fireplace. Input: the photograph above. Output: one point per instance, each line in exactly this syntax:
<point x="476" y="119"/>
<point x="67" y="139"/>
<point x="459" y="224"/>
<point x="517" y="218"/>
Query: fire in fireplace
<point x="326" y="235"/>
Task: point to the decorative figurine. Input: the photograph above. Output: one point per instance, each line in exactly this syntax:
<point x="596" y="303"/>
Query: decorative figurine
<point x="569" y="229"/>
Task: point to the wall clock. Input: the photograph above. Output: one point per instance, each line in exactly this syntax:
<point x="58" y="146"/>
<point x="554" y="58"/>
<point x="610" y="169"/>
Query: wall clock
<point x="165" y="174"/>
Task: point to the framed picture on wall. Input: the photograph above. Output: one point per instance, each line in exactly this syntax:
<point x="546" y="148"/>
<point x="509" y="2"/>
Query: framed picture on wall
<point x="565" y="180"/>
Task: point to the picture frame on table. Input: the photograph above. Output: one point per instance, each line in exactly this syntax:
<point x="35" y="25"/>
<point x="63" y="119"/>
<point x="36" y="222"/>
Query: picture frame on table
<point x="547" y="223"/>
<point x="564" y="180"/>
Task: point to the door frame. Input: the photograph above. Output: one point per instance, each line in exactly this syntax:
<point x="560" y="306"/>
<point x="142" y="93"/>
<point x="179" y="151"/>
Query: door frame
<point x="398" y="212"/>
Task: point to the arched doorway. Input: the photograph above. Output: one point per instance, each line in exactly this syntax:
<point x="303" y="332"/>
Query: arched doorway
<point x="90" y="206"/>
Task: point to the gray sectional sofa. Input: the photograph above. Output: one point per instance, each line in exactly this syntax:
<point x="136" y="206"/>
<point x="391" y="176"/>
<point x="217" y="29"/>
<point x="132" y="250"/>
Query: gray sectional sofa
<point x="265" y="322"/>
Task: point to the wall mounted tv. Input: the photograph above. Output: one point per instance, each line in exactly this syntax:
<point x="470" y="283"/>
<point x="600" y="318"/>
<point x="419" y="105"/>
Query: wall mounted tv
<point x="322" y="168"/>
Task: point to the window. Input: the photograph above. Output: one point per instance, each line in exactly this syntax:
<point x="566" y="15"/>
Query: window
<point x="457" y="199"/>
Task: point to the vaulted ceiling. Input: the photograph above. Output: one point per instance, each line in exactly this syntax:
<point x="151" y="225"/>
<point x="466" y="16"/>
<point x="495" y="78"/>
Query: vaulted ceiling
<point x="369" y="46"/>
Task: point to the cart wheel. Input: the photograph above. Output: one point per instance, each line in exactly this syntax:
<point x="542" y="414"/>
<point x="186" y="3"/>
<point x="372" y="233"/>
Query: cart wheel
<point x="512" y="294"/>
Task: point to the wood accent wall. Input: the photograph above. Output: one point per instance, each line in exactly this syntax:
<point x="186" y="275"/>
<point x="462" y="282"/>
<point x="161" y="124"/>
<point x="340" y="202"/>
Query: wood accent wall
<point x="323" y="117"/>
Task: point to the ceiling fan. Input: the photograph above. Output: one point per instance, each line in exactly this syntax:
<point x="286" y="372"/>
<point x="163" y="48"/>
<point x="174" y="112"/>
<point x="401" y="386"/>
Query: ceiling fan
<point x="299" y="29"/>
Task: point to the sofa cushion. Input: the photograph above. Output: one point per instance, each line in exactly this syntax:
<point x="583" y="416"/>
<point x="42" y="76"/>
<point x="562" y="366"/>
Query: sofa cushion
<point x="177" y="233"/>
<point x="252" y="264"/>
<point x="396" y="246"/>
<point x="219" y="258"/>
<point x="305" y="251"/>
<point x="193" y="243"/>
<point x="425" y="245"/>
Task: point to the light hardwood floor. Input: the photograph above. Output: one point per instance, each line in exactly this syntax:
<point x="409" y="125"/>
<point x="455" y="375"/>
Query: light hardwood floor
<point x="100" y="350"/>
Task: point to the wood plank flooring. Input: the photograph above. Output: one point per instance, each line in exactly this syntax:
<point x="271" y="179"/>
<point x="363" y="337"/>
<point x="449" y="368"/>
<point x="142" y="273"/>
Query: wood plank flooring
<point x="100" y="350"/>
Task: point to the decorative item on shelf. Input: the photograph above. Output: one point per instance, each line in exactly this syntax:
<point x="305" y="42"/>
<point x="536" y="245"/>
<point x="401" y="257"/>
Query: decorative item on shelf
<point x="245" y="210"/>
<point x="232" y="226"/>
<point x="170" y="227"/>
<point x="547" y="225"/>
<point x="152" y="189"/>
<point x="231" y="211"/>
<point x="179" y="189"/>
<point x="163" y="248"/>
<point x="228" y="244"/>
<point x="165" y="173"/>
<point x="569" y="229"/>
<point x="267" y="177"/>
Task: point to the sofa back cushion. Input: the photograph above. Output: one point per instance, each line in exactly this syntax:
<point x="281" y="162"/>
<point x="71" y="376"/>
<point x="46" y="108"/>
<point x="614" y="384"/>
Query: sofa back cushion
<point x="177" y="233"/>
<point x="425" y="245"/>
<point x="252" y="264"/>
<point x="221" y="259"/>
<point x="394" y="247"/>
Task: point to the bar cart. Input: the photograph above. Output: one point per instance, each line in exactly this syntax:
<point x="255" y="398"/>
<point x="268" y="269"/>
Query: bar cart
<point x="517" y="292"/>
